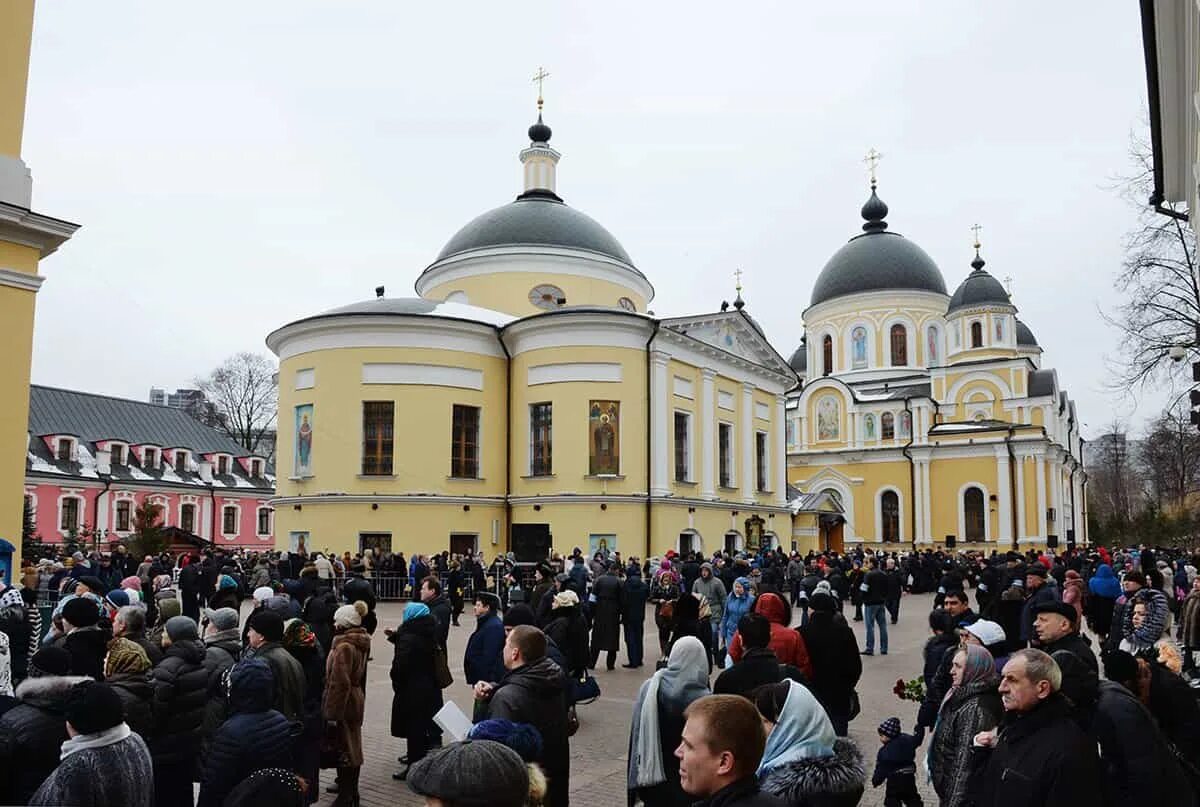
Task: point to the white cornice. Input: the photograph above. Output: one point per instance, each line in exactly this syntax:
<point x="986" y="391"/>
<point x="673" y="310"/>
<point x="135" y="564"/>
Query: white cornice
<point x="356" y="331"/>
<point x="701" y="354"/>
<point x="364" y="498"/>
<point x="908" y="300"/>
<point x="20" y="280"/>
<point x="19" y="225"/>
<point x="583" y="327"/>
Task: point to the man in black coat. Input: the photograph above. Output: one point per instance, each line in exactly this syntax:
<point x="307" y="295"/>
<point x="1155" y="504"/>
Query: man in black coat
<point x="895" y="589"/>
<point x="439" y="607"/>
<point x="758" y="665"/>
<point x="606" y="617"/>
<point x="1039" y="592"/>
<point x="1039" y="755"/>
<point x="1054" y="625"/>
<point x="634" y="593"/>
<point x="837" y="666"/>
<point x="1169" y="698"/>
<point x="533" y="690"/>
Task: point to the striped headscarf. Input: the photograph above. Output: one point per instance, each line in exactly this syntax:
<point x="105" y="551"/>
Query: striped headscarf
<point x="979" y="666"/>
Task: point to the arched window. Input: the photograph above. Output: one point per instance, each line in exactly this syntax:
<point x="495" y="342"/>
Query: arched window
<point x="887" y="426"/>
<point x="889" y="515"/>
<point x="827" y="355"/>
<point x="899" y="346"/>
<point x="976" y="334"/>
<point x="974" y="513"/>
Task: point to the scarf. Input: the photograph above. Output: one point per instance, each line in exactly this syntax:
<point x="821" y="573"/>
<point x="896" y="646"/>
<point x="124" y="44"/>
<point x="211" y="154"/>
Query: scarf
<point x="980" y="666"/>
<point x="802" y="732"/>
<point x="297" y="633"/>
<point x="415" y="610"/>
<point x="684" y="679"/>
<point x="81" y="742"/>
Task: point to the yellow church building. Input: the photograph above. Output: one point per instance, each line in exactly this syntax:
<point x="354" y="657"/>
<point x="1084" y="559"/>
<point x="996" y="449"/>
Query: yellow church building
<point x="526" y="399"/>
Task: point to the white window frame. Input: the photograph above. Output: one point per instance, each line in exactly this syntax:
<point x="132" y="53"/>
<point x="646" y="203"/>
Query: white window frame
<point x="189" y="502"/>
<point x="962" y="511"/>
<point x="124" y="449"/>
<point x="901" y="531"/>
<point x="72" y="442"/>
<point x="151" y="451"/>
<point x="127" y="499"/>
<point x="256" y="469"/>
<point x="187" y="459"/>
<point x="766" y="461"/>
<point x="224" y="459"/>
<point x="529" y="424"/>
<point x="80" y="511"/>
<point x="689" y="448"/>
<point x="237" y="519"/>
<point x="258" y="520"/>
<point x="732" y="456"/>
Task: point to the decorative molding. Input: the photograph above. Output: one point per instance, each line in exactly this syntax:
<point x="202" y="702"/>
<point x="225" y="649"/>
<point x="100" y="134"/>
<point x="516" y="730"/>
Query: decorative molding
<point x="599" y="372"/>
<point x="725" y="400"/>
<point x="432" y="375"/>
<point x="20" y="225"/>
<point x="684" y="388"/>
<point x="20" y="280"/>
<point x="578" y="328"/>
<point x="306" y="378"/>
<point x="355" y="331"/>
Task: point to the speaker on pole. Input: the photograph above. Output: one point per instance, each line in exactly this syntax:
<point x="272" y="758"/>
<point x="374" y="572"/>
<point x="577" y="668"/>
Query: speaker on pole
<point x="1052" y="541"/>
<point x="1070" y="539"/>
<point x="950" y="540"/>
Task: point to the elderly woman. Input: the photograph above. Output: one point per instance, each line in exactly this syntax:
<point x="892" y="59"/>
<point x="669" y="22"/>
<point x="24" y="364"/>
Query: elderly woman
<point x="345" y="698"/>
<point x="805" y="763"/>
<point x="972" y="705"/>
<point x="568" y="630"/>
<point x="653" y="769"/>
<point x="737" y="605"/>
<point x="416" y="696"/>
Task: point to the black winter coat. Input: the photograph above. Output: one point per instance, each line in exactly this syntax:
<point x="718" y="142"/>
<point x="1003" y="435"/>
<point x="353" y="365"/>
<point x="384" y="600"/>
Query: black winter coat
<point x="317" y="613"/>
<point x="254" y="737"/>
<point x="742" y="793"/>
<point x="634" y="593"/>
<point x="568" y="630"/>
<point x="87" y="647"/>
<point x="536" y="694"/>
<point x="1137" y="765"/>
<point x="137" y="696"/>
<point x="837" y="666"/>
<point x="439" y="607"/>
<point x="225" y="598"/>
<point x="606" y="616"/>
<point x="32" y="734"/>
<point x="222" y="650"/>
<point x="971" y="709"/>
<point x="416" y="696"/>
<point x="180" y="695"/>
<point x="1041" y="758"/>
<point x="834" y="781"/>
<point x="757" y="666"/>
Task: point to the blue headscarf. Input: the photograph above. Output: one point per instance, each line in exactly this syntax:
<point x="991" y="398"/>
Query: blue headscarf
<point x="414" y="610"/>
<point x="1104" y="583"/>
<point x="803" y="731"/>
<point x="746" y="592"/>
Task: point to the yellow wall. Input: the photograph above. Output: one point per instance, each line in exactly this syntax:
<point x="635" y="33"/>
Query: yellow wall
<point x="509" y="291"/>
<point x="16" y="31"/>
<point x="946" y="477"/>
<point x="421" y="447"/>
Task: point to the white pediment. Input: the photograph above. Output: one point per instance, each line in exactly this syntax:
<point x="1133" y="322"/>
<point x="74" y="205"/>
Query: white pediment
<point x="731" y="333"/>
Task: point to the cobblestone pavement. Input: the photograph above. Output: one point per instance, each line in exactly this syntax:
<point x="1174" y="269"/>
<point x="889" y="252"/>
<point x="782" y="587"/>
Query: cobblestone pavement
<point x="599" y="749"/>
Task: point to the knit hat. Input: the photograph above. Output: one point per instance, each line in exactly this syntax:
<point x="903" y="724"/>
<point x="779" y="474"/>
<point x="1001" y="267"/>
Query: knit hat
<point x="92" y="707"/>
<point x="890" y="728"/>
<point x="566" y="599"/>
<point x="118" y="598"/>
<point x="80" y="612"/>
<point x="222" y="618"/>
<point x="986" y="631"/>
<point x="821" y="601"/>
<point x="133" y="582"/>
<point x="125" y="656"/>
<point x="472" y="773"/>
<point x="523" y="738"/>
<point x="50" y="661"/>
<point x="268" y="624"/>
<point x="225" y="581"/>
<point x="519" y="614"/>
<point x="263" y="593"/>
<point x="1036" y="570"/>
<point x="181" y="628"/>
<point x="350" y="616"/>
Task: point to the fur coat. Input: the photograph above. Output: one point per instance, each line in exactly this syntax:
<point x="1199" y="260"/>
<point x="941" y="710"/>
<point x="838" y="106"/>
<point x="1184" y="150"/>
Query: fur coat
<point x="836" y="781"/>
<point x="1190" y="633"/>
<point x="345" y="692"/>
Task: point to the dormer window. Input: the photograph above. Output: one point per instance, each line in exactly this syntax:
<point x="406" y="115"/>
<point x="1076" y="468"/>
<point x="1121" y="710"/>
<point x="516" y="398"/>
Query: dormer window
<point x="150" y="458"/>
<point x="117" y="453"/>
<point x="181" y="461"/>
<point x="66" y="449"/>
<point x="222" y="465"/>
<point x="256" y="469"/>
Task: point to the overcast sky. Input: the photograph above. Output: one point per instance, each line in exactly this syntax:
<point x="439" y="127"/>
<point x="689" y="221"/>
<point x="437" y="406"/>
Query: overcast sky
<point x="238" y="165"/>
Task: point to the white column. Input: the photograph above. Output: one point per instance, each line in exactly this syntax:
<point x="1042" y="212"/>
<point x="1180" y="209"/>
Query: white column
<point x="926" y="489"/>
<point x="1021" y="498"/>
<point x="103" y="519"/>
<point x="855" y="439"/>
<point x="779" y="424"/>
<point x="918" y="502"/>
<point x="1056" y="500"/>
<point x="659" y="425"/>
<point x="1040" y="479"/>
<point x="206" y="519"/>
<point x="748" y="465"/>
<point x="1077" y="520"/>
<point x="707" y="434"/>
<point x="1003" y="497"/>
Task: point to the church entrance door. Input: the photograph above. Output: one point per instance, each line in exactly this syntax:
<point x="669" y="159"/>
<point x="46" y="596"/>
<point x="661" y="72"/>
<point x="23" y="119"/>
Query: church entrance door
<point x="832" y="530"/>
<point x="463" y="543"/>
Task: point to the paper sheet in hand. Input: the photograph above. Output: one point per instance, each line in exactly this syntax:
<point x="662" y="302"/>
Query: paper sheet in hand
<point x="451" y="720"/>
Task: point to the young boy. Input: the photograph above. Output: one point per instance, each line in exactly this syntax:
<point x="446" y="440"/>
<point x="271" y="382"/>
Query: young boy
<point x="896" y="763"/>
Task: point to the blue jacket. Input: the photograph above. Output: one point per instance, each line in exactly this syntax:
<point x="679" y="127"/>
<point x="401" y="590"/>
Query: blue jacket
<point x="735" y="609"/>
<point x="253" y="738"/>
<point x="483" y="660"/>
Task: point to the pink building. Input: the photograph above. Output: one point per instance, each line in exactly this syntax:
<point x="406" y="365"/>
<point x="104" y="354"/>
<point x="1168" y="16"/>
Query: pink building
<point x="92" y="460"/>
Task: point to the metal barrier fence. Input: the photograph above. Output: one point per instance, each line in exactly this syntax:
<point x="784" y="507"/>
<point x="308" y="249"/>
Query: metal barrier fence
<point x="397" y="586"/>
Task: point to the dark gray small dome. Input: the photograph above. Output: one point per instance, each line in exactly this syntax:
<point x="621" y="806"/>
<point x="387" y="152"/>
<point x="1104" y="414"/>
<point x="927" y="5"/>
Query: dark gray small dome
<point x="537" y="219"/>
<point x="877" y="260"/>
<point x="799" y="359"/>
<point x="539" y="132"/>
<point x="1025" y="336"/>
<point x="979" y="288"/>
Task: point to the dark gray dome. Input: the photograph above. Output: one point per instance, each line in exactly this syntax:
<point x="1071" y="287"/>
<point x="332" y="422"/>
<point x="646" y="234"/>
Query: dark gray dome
<point x="799" y="359"/>
<point x="1025" y="336"/>
<point x="979" y="288"/>
<point x="877" y="260"/>
<point x="539" y="219"/>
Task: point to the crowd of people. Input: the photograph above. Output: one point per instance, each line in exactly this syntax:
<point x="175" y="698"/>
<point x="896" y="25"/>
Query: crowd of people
<point x="1046" y="676"/>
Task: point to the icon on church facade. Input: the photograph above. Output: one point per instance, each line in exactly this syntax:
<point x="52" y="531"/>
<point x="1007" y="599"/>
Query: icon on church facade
<point x="828" y="419"/>
<point x="604" y="424"/>
<point x="905" y="424"/>
<point x="858" y="342"/>
<point x="999" y="329"/>
<point x="932" y="342"/>
<point x="304" y="434"/>
<point x="868" y="427"/>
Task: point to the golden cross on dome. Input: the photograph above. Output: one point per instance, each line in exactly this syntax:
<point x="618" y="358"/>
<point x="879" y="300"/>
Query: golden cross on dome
<point x="872" y="159"/>
<point x="737" y="273"/>
<point x="540" y="76"/>
<point x="975" y="229"/>
<point x="1008" y="285"/>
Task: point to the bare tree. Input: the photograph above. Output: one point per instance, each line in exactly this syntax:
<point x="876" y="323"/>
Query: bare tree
<point x="1159" y="278"/>
<point x="1114" y="483"/>
<point x="1170" y="458"/>
<point x="244" y="394"/>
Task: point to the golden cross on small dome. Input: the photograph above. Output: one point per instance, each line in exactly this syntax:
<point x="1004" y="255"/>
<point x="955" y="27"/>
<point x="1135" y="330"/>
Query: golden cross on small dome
<point x="1008" y="285"/>
<point x="872" y="159"/>
<point x="975" y="229"/>
<point x="737" y="273"/>
<point x="540" y="76"/>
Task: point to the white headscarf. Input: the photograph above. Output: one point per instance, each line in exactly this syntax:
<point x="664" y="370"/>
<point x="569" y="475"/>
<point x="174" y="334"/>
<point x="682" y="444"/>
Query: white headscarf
<point x="684" y="680"/>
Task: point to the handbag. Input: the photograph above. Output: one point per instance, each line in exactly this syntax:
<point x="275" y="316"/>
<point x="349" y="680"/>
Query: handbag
<point x="586" y="690"/>
<point x="855" y="706"/>
<point x="441" y="668"/>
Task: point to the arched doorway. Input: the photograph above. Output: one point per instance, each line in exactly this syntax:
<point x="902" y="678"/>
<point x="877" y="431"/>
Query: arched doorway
<point x="689" y="542"/>
<point x="733" y="542"/>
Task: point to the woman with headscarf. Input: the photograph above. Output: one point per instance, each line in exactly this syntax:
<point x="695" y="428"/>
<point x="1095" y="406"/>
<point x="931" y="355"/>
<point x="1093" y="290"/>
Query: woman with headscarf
<point x="345" y="700"/>
<point x="653" y="769"/>
<point x="416" y="695"/>
<point x="1104" y="590"/>
<point x="167" y="608"/>
<point x="805" y="762"/>
<point x="225" y="594"/>
<point x="737" y="605"/>
<point x="664" y="591"/>
<point x="127" y="671"/>
<point x="302" y="644"/>
<point x="568" y="630"/>
<point x="971" y="705"/>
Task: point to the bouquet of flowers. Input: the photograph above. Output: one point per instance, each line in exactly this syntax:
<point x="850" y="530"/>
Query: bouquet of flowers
<point x="913" y="690"/>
